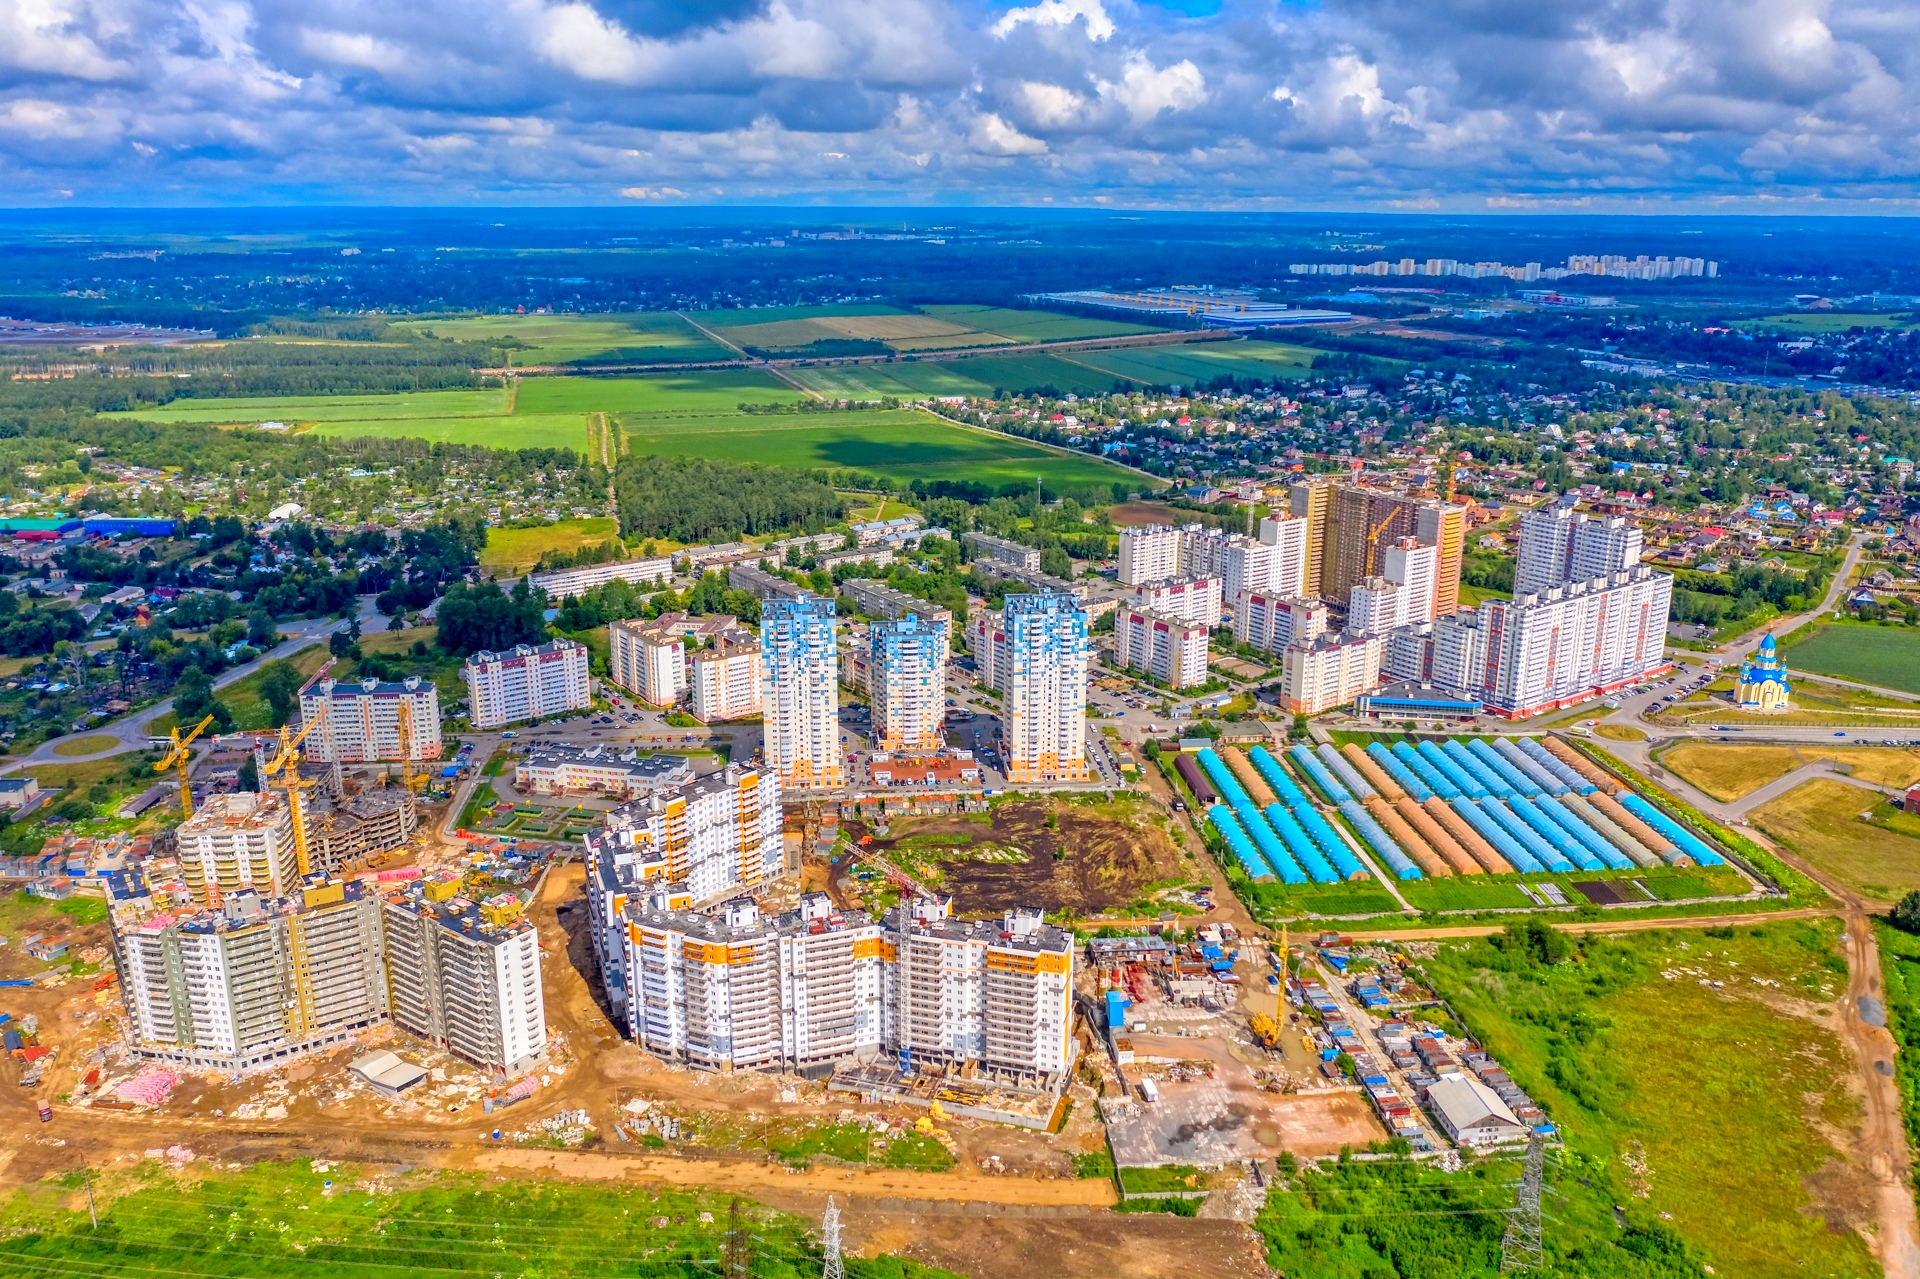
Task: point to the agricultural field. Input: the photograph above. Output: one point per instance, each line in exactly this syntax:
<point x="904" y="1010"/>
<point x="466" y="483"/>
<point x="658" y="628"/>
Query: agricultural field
<point x="1888" y="656"/>
<point x="1824" y="322"/>
<point x="794" y="330"/>
<point x="288" y="1218"/>
<point x="639" y="338"/>
<point x="252" y="410"/>
<point x="696" y="392"/>
<point x="1821" y="820"/>
<point x="1034" y="326"/>
<point x="909" y="380"/>
<point x="515" y="550"/>
<point x="1639" y="1050"/>
<point x="902" y="444"/>
<point x="519" y="431"/>
<point x="1200" y="363"/>
<point x="1726" y="771"/>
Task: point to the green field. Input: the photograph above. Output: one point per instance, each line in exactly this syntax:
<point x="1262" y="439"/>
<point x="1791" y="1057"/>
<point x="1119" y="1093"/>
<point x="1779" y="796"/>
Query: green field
<point x="1706" y="1122"/>
<point x="1825" y="322"/>
<point x="518" y="549"/>
<point x="719" y="391"/>
<point x="1887" y="656"/>
<point x="644" y="337"/>
<point x="521" y="431"/>
<point x="1202" y="362"/>
<point x="905" y="380"/>
<point x="746" y="316"/>
<point x="1021" y="373"/>
<point x="1033" y="326"/>
<point x="358" y="1223"/>
<point x="327" y="408"/>
<point x="901" y="444"/>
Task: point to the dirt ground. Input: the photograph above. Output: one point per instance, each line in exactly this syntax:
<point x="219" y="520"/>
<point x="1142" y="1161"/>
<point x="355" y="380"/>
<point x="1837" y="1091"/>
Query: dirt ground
<point x="1089" y="864"/>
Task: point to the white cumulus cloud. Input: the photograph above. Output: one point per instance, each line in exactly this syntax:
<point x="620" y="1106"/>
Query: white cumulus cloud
<point x="1059" y="13"/>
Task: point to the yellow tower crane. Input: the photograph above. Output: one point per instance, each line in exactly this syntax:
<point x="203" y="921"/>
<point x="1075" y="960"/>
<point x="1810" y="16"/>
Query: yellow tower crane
<point x="408" y="777"/>
<point x="286" y="766"/>
<point x="178" y="756"/>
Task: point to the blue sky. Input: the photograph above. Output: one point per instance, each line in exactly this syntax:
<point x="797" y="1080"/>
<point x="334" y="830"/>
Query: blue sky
<point x="1466" y="105"/>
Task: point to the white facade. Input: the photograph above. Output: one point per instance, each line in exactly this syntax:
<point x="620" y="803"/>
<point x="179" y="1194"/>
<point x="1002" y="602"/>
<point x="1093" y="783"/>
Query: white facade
<point x="996" y="992"/>
<point x="1045" y="711"/>
<point x="528" y="683"/>
<point x="1403" y="596"/>
<point x="1150" y="554"/>
<point x="1547" y="649"/>
<point x="1192" y="599"/>
<point x="238" y="841"/>
<point x="1271" y="622"/>
<point x="1171" y="649"/>
<point x="1561" y="545"/>
<point x="987" y="642"/>
<point x="1328" y="672"/>
<point x="574" y="581"/>
<point x="724" y="682"/>
<point x="360" y="721"/>
<point x="800" y="691"/>
<point x="647" y="661"/>
<point x="466" y="976"/>
<point x="1287" y="534"/>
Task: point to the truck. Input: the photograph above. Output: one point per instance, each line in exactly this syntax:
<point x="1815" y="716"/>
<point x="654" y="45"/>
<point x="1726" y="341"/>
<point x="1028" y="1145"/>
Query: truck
<point x="46" y="1113"/>
<point x="1150" y="1090"/>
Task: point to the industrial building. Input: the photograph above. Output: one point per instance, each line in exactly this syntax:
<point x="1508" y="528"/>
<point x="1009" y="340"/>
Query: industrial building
<point x="647" y="660"/>
<point x="907" y="679"/>
<point x="529" y="683"/>
<point x="465" y="975"/>
<point x="1044" y="716"/>
<point x="800" y="691"/>
<point x="558" y="768"/>
<point x="1171" y="649"/>
<point x="362" y="721"/>
<point x="723" y="682"/>
<point x="256" y="983"/>
<point x="815" y="987"/>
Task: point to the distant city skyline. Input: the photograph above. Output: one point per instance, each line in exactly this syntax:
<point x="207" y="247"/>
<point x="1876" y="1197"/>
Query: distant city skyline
<point x="1694" y="105"/>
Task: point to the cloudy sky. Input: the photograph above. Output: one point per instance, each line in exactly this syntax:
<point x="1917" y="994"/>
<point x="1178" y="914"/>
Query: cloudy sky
<point x="1736" y="105"/>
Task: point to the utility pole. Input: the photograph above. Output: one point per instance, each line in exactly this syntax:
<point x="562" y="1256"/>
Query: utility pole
<point x="830" y="1238"/>
<point x="95" y="1216"/>
<point x="1521" y="1250"/>
<point x="737" y="1260"/>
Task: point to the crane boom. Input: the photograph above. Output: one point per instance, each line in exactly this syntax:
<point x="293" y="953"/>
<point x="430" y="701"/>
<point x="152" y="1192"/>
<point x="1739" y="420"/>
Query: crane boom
<point x="286" y="765"/>
<point x="179" y="756"/>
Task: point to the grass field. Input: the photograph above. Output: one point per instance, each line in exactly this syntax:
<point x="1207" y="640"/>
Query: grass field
<point x="645" y="337"/>
<point x="1825" y="322"/>
<point x="87" y="745"/>
<point x="521" y="431"/>
<point x="1888" y="656"/>
<point x="1717" y="1112"/>
<point x="1727" y="772"/>
<point x="1821" y="821"/>
<point x="1033" y="326"/>
<point x="515" y="550"/>
<point x="1201" y="362"/>
<point x="242" y="697"/>
<point x="927" y="328"/>
<point x="904" y="381"/>
<point x="696" y="391"/>
<point x="902" y="444"/>
<point x="1031" y="372"/>
<point x="354" y="1223"/>
<point x="327" y="408"/>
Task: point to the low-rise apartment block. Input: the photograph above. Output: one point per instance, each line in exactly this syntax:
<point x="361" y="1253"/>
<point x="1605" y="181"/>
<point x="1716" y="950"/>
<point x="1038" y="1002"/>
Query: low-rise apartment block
<point x="560" y="769"/>
<point x="531" y="682"/>
<point x="1013" y="554"/>
<point x="561" y="583"/>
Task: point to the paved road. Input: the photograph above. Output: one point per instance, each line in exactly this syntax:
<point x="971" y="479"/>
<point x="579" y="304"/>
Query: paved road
<point x="1824" y="768"/>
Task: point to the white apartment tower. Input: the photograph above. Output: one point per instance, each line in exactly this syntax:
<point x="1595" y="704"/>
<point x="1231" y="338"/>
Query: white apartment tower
<point x="800" y="691"/>
<point x="1287" y="534"/>
<point x="723" y="682"/>
<point x="1171" y="649"/>
<point x="908" y="664"/>
<point x="1329" y="671"/>
<point x="1271" y="622"/>
<point x="465" y="975"/>
<point x="360" y="720"/>
<point x="531" y="682"/>
<point x="1045" y="718"/>
<point x="647" y="661"/>
<point x="1192" y="599"/>
<point x="242" y="841"/>
<point x="1559" y="545"/>
<point x="1402" y="596"/>
<point x="1150" y="554"/>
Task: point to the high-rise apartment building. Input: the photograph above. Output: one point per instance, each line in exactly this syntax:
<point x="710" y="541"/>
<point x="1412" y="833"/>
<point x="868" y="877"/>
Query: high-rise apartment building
<point x="1311" y="502"/>
<point x="254" y="984"/>
<point x="1443" y="526"/>
<point x="360" y="721"/>
<point x="1290" y="537"/>
<point x="724" y="682"/>
<point x="1192" y="599"/>
<point x="1171" y="649"/>
<point x="238" y="842"/>
<point x="1546" y="649"/>
<point x="465" y="975"/>
<point x="1150" y="554"/>
<point x="647" y="660"/>
<point x="1559" y="545"/>
<point x="1044" y="724"/>
<point x="909" y="685"/>
<point x="1402" y="596"/>
<point x="1328" y="671"/>
<point x="531" y="682"/>
<point x="800" y="691"/>
<point x="987" y="643"/>
<point x="1271" y="622"/>
<point x="1350" y="529"/>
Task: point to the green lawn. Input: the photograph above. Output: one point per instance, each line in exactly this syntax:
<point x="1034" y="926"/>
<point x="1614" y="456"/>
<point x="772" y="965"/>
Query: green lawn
<point x="1201" y="362"/>
<point x="899" y="443"/>
<point x="1033" y="326"/>
<point x="1888" y="656"/>
<point x="518" y="549"/>
<point x="561" y="339"/>
<point x="521" y="431"/>
<point x="699" y="391"/>
<point x="1825" y="322"/>
<point x="327" y="408"/>
<point x="283" y="1219"/>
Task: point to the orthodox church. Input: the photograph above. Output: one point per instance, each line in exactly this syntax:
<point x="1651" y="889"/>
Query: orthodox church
<point x="1763" y="685"/>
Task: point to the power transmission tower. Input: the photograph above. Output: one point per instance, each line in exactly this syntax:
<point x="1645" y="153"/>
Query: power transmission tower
<point x="1521" y="1249"/>
<point x="737" y="1260"/>
<point x="830" y="1235"/>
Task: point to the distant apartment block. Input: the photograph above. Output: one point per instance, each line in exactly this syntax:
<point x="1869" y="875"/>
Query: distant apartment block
<point x="724" y="681"/>
<point x="908" y="683"/>
<point x="1560" y="545"/>
<point x="987" y="643"/>
<point x="528" y="683"/>
<point x="1149" y="554"/>
<point x="648" y="661"/>
<point x="359" y="722"/>
<point x="763" y="584"/>
<point x="561" y="583"/>
<point x="1012" y="554"/>
<point x="877" y="599"/>
<point x="1171" y="649"/>
<point x="1044" y="716"/>
<point x="1191" y="599"/>
<point x="800" y="692"/>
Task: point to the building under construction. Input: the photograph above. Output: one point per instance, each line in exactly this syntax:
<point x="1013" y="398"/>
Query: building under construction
<point x="465" y="975"/>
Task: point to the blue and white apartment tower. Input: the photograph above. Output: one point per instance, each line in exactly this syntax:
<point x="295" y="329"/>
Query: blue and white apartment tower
<point x="1045" y="721"/>
<point x="909" y="674"/>
<point x="800" y="691"/>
